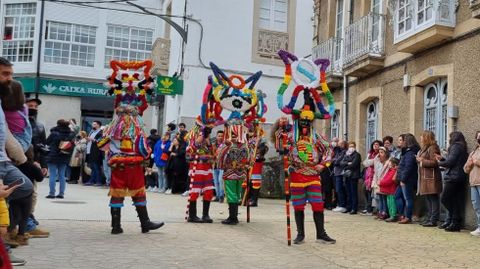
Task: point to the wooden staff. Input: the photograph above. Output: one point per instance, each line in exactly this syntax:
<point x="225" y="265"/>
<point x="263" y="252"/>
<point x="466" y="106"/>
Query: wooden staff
<point x="249" y="176"/>
<point x="194" y="168"/>
<point x="287" y="187"/>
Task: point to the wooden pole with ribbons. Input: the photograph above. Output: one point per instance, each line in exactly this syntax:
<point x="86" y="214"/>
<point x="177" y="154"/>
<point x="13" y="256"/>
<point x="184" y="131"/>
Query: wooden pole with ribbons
<point x="287" y="186"/>
<point x="249" y="176"/>
<point x="192" y="175"/>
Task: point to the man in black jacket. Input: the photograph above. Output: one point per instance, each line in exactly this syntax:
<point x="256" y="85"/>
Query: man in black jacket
<point x="39" y="137"/>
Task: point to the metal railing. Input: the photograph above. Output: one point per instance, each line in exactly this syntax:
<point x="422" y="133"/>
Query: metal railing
<point x="330" y="49"/>
<point x="365" y="37"/>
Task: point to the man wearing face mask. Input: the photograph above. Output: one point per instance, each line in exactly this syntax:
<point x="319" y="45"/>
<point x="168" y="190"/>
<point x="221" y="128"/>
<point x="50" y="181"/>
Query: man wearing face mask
<point x="39" y="138"/>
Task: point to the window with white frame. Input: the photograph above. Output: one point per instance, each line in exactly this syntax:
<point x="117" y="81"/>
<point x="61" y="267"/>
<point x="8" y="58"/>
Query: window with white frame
<point x="413" y="16"/>
<point x="274" y="15"/>
<point x="376" y="9"/>
<point x="72" y="44"/>
<point x="335" y="125"/>
<point x="424" y="11"/>
<point x="404" y="17"/>
<point x="339" y="28"/>
<point x="128" y="44"/>
<point x="18" y="32"/>
<point x="372" y="123"/>
<point x="435" y="110"/>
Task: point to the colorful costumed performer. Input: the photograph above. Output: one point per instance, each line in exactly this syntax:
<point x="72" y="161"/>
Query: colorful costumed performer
<point x="259" y="149"/>
<point x="309" y="153"/>
<point x="234" y="95"/>
<point x="126" y="140"/>
<point x="201" y="155"/>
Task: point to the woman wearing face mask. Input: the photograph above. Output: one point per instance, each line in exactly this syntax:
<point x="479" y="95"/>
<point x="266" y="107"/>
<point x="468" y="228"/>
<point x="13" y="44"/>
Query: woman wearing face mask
<point x="472" y="167"/>
<point x="351" y="173"/>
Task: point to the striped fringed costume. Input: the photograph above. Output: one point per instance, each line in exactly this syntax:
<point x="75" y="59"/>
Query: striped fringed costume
<point x="233" y="158"/>
<point x="202" y="176"/>
<point x="305" y="186"/>
<point x="126" y="140"/>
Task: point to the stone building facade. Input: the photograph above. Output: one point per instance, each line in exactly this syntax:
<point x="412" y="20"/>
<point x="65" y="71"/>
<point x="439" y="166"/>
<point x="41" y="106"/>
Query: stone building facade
<point x="404" y="66"/>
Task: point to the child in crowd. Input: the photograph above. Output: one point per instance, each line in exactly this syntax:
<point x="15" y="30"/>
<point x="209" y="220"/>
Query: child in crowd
<point x="388" y="186"/>
<point x="161" y="154"/>
<point x="151" y="176"/>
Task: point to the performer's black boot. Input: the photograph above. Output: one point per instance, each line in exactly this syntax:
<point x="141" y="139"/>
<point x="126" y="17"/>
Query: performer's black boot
<point x="205" y="217"/>
<point x="322" y="236"/>
<point x="116" y="228"/>
<point x="192" y="213"/>
<point x="254" y="197"/>
<point x="147" y="225"/>
<point x="300" y="221"/>
<point x="232" y="214"/>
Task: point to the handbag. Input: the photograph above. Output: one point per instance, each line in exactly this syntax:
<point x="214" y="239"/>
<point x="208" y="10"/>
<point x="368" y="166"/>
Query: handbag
<point x="65" y="147"/>
<point x="87" y="170"/>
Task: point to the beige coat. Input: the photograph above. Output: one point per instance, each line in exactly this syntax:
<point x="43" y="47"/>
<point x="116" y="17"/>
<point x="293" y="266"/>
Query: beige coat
<point x="472" y="167"/>
<point x="430" y="177"/>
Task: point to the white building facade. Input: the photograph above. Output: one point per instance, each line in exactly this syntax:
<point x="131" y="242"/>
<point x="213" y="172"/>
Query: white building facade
<point x="241" y="37"/>
<point x="77" y="43"/>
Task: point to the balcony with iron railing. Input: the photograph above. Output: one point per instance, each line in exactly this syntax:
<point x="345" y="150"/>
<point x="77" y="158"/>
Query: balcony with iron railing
<point x="364" y="49"/>
<point x="331" y="49"/>
<point x="475" y="7"/>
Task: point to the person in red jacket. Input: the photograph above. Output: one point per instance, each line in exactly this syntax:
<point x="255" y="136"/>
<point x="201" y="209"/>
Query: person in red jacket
<point x="388" y="185"/>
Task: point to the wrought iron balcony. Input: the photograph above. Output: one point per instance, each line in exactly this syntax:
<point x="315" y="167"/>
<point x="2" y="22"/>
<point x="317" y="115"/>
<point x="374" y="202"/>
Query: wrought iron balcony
<point x="364" y="45"/>
<point x="331" y="49"/>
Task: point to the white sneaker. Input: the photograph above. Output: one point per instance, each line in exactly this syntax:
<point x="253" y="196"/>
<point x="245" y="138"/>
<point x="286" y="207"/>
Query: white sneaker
<point x="149" y="189"/>
<point x="186" y="193"/>
<point x="476" y="232"/>
<point x="161" y="190"/>
<point x="338" y="209"/>
<point x="155" y="189"/>
<point x="343" y="210"/>
<point x="169" y="191"/>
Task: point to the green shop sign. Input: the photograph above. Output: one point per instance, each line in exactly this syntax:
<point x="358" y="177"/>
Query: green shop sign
<point x="169" y="86"/>
<point x="64" y="87"/>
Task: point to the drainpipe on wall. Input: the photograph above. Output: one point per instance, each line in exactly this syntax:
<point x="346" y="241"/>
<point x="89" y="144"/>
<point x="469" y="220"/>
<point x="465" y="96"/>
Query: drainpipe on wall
<point x="345" y="108"/>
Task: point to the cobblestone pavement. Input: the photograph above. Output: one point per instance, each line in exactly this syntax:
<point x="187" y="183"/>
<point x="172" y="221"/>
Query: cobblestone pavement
<point x="80" y="238"/>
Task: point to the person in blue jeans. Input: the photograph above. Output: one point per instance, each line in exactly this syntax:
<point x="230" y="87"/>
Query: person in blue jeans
<point x="217" y="171"/>
<point x="351" y="173"/>
<point x="407" y="175"/>
<point x="57" y="158"/>
<point x="339" y="151"/>
<point x="161" y="153"/>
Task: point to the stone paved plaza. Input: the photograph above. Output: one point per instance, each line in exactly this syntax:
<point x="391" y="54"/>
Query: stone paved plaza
<point x="80" y="238"/>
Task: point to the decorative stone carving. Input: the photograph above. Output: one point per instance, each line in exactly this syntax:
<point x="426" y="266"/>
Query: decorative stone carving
<point x="270" y="42"/>
<point x="161" y="56"/>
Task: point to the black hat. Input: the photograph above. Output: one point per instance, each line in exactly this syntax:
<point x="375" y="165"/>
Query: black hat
<point x="29" y="98"/>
